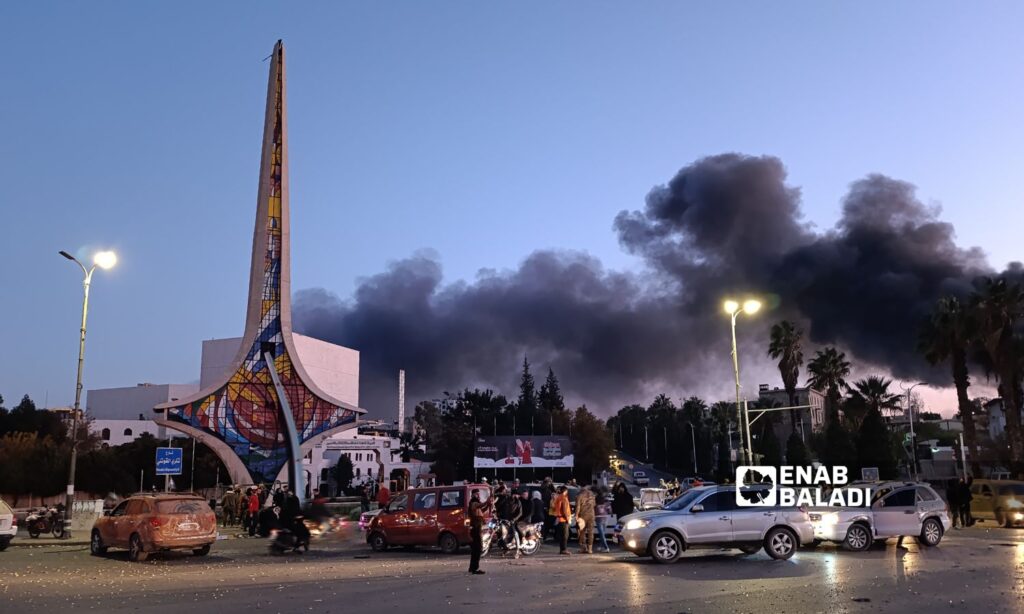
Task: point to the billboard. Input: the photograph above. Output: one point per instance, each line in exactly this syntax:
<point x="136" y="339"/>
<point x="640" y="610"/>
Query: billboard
<point x="507" y="451"/>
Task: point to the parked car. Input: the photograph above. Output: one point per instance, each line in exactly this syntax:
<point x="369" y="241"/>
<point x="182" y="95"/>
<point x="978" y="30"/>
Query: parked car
<point x="708" y="517"/>
<point x="8" y="526"/>
<point x="640" y="478"/>
<point x="998" y="500"/>
<point x="897" y="509"/>
<point x="435" y="516"/>
<point x="150" y="523"/>
<point x="652" y="498"/>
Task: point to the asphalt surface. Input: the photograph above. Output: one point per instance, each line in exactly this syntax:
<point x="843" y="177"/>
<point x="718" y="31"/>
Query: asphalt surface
<point x="976" y="570"/>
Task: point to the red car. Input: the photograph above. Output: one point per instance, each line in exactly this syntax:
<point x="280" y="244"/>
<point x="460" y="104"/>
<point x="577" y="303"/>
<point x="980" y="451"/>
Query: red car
<point x="436" y="516"/>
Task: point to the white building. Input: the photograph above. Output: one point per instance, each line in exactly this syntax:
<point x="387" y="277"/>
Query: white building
<point x="373" y="455"/>
<point x="120" y="415"/>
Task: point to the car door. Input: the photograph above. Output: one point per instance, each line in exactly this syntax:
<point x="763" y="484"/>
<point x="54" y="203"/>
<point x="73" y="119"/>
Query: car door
<point x="422" y="525"/>
<point x="109" y="530"/>
<point x="397" y="519"/>
<point x="452" y="513"/>
<point x="750" y="523"/>
<point x="713" y="523"/>
<point x="134" y="515"/>
<point x="897" y="514"/>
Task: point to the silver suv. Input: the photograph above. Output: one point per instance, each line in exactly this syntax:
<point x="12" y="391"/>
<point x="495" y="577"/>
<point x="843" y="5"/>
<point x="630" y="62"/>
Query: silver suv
<point x="708" y="517"/>
<point x="897" y="509"/>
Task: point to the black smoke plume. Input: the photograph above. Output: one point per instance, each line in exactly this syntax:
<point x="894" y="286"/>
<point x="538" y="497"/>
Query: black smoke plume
<point x="727" y="225"/>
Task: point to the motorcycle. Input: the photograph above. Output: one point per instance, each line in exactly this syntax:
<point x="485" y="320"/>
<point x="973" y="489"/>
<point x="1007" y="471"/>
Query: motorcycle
<point x="282" y="540"/>
<point x="44" y="520"/>
<point x="510" y="542"/>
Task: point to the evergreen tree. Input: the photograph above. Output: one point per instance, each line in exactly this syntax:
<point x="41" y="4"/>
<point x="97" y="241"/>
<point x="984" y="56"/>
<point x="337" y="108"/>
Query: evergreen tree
<point x="343" y="472"/>
<point x="874" y="445"/>
<point x="525" y="409"/>
<point x="767" y="444"/>
<point x="838" y="447"/>
<point x="552" y="406"/>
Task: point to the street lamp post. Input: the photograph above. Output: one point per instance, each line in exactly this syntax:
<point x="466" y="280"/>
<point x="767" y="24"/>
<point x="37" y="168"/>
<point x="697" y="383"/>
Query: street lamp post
<point x="103" y="260"/>
<point x="693" y="447"/>
<point x="910" y="418"/>
<point x="733" y="308"/>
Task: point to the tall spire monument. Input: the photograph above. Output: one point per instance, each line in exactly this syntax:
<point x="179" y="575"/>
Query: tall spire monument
<point x="266" y="410"/>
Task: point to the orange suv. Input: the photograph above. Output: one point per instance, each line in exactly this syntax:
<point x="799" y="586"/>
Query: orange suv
<point x="151" y="523"/>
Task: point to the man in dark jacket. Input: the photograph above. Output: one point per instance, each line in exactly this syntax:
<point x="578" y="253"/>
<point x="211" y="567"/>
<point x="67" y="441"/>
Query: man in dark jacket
<point x="953" y="500"/>
<point x="965" y="503"/>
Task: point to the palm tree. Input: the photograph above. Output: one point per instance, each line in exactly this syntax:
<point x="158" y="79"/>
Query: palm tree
<point x="828" y="370"/>
<point x="998" y="306"/>
<point x="871" y="394"/>
<point x="785" y="346"/>
<point x="947" y="335"/>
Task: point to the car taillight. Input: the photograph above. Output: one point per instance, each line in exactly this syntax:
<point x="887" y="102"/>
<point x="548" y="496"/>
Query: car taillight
<point x="155" y="522"/>
<point x="14" y="521"/>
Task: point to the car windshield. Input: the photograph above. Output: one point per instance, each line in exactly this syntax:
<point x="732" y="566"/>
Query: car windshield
<point x="181" y="506"/>
<point x="1016" y="489"/>
<point x="684" y="499"/>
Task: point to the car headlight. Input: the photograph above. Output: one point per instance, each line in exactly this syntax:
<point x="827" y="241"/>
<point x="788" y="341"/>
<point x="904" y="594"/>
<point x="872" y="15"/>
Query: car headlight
<point x="637" y="523"/>
<point x="830" y="519"/>
<point x="1013" y="503"/>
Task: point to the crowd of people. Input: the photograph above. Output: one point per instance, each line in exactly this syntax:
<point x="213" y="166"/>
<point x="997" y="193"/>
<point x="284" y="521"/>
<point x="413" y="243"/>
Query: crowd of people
<point x="258" y="510"/>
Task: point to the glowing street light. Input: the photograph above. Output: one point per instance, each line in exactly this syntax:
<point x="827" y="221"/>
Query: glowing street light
<point x="103" y="260"/>
<point x="733" y="308"/>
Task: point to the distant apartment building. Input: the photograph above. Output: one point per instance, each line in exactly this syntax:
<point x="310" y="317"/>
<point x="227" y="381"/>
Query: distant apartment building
<point x="808" y="420"/>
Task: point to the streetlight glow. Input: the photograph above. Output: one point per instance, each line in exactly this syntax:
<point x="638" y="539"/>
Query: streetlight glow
<point x="105" y="260"/>
<point x="731" y="307"/>
<point x="751" y="306"/>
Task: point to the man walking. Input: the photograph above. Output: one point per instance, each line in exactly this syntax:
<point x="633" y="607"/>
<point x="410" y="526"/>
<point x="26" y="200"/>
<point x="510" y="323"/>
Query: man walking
<point x="563" y="516"/>
<point x="477" y="514"/>
<point x="585" y="520"/>
<point x="227" y="507"/>
<point x="254" y="513"/>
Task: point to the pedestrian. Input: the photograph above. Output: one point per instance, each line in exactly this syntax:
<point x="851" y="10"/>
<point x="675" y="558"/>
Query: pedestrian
<point x="243" y="507"/>
<point x="585" y="504"/>
<point x="478" y="512"/>
<point x="953" y="500"/>
<point x="383" y="496"/>
<point x="261" y="494"/>
<point x="966" y="520"/>
<point x="364" y="498"/>
<point x="227" y="508"/>
<point x="538" y="512"/>
<point x="622" y="502"/>
<point x="563" y="517"/>
<point x="254" y="508"/>
<point x="602" y="509"/>
<point x="547" y="493"/>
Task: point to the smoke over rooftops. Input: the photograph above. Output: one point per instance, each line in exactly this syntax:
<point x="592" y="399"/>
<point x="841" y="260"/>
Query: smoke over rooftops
<point x="724" y="225"/>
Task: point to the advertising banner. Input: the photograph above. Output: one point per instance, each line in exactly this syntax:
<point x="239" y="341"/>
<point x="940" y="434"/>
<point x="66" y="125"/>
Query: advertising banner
<point x="507" y="451"/>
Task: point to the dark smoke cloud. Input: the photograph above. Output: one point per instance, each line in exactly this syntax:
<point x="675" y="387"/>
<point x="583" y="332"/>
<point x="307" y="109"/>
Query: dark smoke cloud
<point x="725" y="225"/>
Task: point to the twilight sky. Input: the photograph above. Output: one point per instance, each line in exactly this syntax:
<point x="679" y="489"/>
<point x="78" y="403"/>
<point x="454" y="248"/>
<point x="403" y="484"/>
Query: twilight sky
<point x="481" y="131"/>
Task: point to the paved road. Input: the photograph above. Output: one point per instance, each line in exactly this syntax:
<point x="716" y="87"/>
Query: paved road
<point x="978" y="570"/>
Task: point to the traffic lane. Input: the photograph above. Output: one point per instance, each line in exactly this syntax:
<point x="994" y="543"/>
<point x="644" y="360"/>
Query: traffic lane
<point x="968" y="569"/>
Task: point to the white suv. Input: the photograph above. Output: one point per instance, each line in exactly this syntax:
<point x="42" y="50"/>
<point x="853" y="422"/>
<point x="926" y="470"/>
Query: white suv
<point x="707" y="516"/>
<point x="8" y="525"/>
<point x="898" y="509"/>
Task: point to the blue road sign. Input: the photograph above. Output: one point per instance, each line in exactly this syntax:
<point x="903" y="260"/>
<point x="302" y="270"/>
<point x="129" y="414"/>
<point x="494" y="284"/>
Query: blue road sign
<point x="168" y="461"/>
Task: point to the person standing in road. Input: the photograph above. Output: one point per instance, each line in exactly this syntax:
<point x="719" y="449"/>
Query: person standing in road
<point x="965" y="503"/>
<point x="563" y="517"/>
<point x="538" y="511"/>
<point x="254" y="513"/>
<point x="953" y="500"/>
<point x="602" y="510"/>
<point x="477" y="514"/>
<point x="364" y="499"/>
<point x="227" y="506"/>
<point x="622" y="504"/>
<point x="383" y="496"/>
<point x="585" y="504"/>
<point x="547" y="493"/>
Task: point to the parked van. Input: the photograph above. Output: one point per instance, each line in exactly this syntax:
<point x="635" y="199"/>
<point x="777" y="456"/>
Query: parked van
<point x="999" y="500"/>
<point x="640" y="478"/>
<point x="435" y="516"/>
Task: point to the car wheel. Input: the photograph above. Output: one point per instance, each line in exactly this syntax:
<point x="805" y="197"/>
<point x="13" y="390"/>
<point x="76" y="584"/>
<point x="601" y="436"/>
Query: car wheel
<point x="136" y="553"/>
<point x="96" y="547"/>
<point x="780" y="543"/>
<point x="749" y="549"/>
<point x="858" y="538"/>
<point x="931" y="532"/>
<point x="449" y="544"/>
<point x="378" y="543"/>
<point x="202" y="551"/>
<point x="666" y="547"/>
